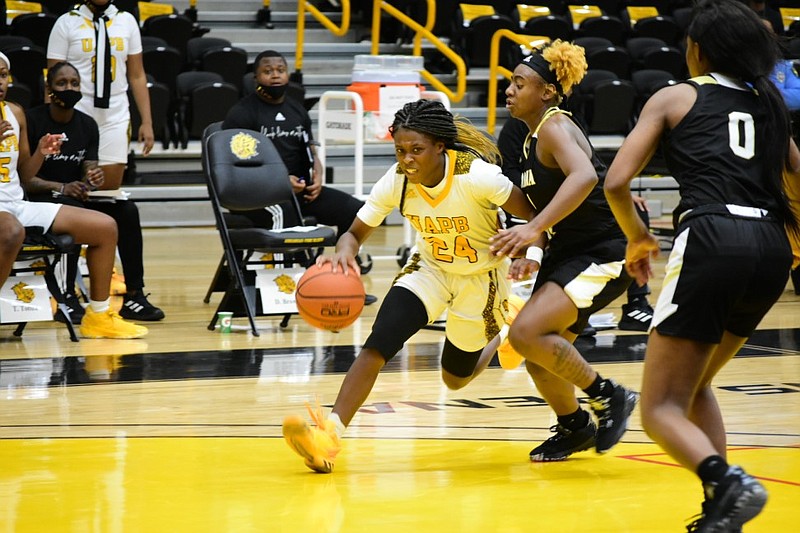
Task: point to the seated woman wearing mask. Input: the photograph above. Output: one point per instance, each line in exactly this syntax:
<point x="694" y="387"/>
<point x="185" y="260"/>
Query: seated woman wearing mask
<point x="68" y="176"/>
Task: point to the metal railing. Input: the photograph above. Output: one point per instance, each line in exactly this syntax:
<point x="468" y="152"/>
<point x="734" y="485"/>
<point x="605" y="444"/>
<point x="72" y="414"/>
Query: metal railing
<point x="421" y="32"/>
<point x="303" y="7"/>
<point x="495" y="69"/>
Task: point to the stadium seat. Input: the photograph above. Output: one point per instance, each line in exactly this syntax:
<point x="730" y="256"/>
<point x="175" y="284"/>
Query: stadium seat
<point x="590" y="44"/>
<point x="244" y="171"/>
<point x="613" y="58"/>
<point x="647" y="82"/>
<point x="663" y="28"/>
<point x="203" y="98"/>
<point x="551" y="26"/>
<point x="197" y="46"/>
<point x="608" y="27"/>
<point x="27" y="65"/>
<point x="612" y="107"/>
<point x="20" y="94"/>
<point x="581" y="101"/>
<point x="228" y="61"/>
<point x="34" y="26"/>
<point x="161" y="112"/>
<point x="478" y="24"/>
<point x="638" y="46"/>
<point x="176" y="30"/>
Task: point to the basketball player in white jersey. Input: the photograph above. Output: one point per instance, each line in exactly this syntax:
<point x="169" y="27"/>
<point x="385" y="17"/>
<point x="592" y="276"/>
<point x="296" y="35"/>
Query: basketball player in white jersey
<point x="97" y="230"/>
<point x="443" y="184"/>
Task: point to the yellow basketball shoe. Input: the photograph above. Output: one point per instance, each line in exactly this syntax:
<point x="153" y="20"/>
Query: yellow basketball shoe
<point x="109" y="325"/>
<point x="318" y="445"/>
<point x="509" y="358"/>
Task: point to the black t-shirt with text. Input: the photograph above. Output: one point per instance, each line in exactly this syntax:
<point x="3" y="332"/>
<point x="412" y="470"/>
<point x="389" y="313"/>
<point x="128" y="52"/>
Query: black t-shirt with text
<point x="81" y="144"/>
<point x="287" y="124"/>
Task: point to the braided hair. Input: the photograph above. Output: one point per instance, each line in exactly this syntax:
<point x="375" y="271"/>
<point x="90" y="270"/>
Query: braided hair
<point x="431" y="118"/>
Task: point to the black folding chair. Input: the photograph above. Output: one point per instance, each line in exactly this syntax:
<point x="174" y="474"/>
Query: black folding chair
<point x="244" y="171"/>
<point x="46" y="250"/>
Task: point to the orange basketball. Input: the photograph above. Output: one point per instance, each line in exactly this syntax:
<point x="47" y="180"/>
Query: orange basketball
<point x="327" y="300"/>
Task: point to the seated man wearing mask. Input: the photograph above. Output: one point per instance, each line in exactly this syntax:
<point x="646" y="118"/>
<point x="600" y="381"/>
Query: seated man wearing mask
<point x="287" y="123"/>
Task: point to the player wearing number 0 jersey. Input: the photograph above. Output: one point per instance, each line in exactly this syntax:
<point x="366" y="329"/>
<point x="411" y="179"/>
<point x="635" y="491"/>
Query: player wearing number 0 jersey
<point x="726" y="139"/>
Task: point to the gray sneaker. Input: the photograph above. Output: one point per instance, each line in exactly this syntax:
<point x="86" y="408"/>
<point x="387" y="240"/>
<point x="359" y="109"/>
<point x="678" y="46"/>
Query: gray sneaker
<point x="612" y="416"/>
<point x="737" y="499"/>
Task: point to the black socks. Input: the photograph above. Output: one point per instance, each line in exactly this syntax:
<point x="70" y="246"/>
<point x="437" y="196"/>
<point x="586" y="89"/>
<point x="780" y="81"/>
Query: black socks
<point x="712" y="469"/>
<point x="574" y="421"/>
<point x="600" y="388"/>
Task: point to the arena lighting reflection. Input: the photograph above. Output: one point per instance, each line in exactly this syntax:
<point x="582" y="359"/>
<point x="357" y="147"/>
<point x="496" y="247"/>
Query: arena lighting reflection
<point x="30" y="378"/>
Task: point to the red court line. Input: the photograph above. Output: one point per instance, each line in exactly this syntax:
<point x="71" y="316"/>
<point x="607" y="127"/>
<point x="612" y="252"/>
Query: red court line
<point x="642" y="457"/>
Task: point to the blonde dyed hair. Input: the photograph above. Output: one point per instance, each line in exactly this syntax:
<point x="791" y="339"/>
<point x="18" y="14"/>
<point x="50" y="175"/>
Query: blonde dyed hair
<point x="567" y="61"/>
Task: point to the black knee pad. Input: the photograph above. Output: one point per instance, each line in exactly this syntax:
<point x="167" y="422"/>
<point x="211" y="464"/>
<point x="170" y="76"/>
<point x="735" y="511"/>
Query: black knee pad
<point x="401" y="315"/>
<point x="458" y="362"/>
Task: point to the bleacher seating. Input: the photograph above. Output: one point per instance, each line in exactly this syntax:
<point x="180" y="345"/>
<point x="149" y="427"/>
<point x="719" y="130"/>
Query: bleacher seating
<point x="328" y="60"/>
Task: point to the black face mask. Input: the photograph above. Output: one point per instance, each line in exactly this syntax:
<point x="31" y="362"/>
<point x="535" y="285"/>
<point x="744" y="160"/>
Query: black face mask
<point x="272" y="91"/>
<point x="66" y="99"/>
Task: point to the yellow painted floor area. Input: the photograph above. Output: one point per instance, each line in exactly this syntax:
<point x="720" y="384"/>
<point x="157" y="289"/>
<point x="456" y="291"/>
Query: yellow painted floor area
<point x="185" y="484"/>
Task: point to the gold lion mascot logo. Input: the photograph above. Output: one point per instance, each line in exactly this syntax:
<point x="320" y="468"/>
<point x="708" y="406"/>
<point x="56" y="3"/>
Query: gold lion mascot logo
<point x="243" y="146"/>
<point x="285" y="284"/>
<point x="23" y="292"/>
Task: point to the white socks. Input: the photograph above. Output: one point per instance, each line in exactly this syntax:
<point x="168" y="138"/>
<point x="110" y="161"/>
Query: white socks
<point x="338" y="425"/>
<point x="100" y="306"/>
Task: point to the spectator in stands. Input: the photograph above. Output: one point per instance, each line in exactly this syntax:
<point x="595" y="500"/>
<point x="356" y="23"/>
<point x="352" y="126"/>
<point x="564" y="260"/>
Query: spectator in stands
<point x="105" y="46"/>
<point x="107" y="64"/>
<point x="637" y="313"/>
<point x="786" y="78"/>
<point x="66" y="178"/>
<point x="768" y="13"/>
<point x="95" y="229"/>
<point x="288" y="125"/>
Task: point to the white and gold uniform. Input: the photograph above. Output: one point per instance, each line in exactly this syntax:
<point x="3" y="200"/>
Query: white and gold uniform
<point x="11" y="195"/>
<point x="452" y="268"/>
<point x="73" y="39"/>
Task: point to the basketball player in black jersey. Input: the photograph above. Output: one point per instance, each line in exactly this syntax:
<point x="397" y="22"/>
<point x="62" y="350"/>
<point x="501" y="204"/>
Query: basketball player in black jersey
<point x="727" y="143"/>
<point x="582" y="271"/>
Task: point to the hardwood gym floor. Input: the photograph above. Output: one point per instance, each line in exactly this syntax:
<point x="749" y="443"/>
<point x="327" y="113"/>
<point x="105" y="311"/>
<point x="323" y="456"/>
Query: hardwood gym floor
<point x="181" y="431"/>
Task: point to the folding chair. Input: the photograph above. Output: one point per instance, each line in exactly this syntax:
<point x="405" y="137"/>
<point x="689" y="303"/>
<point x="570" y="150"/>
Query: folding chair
<point x="46" y="251"/>
<point x="243" y="172"/>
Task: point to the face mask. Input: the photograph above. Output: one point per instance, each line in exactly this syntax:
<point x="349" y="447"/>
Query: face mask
<point x="66" y="99"/>
<point x="271" y="91"/>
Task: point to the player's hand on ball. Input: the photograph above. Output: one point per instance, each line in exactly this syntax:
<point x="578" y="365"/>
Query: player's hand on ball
<point x="340" y="262"/>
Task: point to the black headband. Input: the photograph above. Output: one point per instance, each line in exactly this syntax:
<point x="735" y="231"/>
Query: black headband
<point x="542" y="67"/>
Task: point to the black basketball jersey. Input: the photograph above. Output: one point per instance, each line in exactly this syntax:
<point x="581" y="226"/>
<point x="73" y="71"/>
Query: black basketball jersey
<point x="715" y="153"/>
<point x="591" y="222"/>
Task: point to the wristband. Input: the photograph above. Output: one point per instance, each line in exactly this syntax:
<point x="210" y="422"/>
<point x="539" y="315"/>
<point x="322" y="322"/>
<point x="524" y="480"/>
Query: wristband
<point x="62" y="188"/>
<point x="534" y="253"/>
